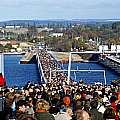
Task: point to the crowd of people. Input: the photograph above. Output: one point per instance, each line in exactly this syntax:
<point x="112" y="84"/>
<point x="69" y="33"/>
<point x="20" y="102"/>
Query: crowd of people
<point x="59" y="101"/>
<point x="56" y="100"/>
<point x="50" y="67"/>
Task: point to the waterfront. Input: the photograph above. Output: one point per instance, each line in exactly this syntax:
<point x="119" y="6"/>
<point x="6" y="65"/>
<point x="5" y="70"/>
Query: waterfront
<point x="19" y="74"/>
<point x="91" y="77"/>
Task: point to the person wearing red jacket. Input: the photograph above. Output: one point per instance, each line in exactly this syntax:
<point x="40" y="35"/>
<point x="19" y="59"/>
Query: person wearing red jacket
<point x="2" y="80"/>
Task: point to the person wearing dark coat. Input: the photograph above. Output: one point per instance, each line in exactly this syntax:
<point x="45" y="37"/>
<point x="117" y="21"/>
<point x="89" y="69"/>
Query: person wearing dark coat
<point x="20" y="111"/>
<point x="96" y="115"/>
<point x="42" y="113"/>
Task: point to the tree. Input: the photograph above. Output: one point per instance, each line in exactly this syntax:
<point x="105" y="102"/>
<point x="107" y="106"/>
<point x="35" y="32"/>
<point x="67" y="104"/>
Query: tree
<point x="112" y="41"/>
<point x="1" y="48"/>
<point x="80" y="43"/>
<point x="8" y="46"/>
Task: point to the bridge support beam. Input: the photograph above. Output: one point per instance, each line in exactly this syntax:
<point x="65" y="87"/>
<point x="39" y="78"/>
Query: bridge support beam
<point x="69" y="68"/>
<point x="2" y="63"/>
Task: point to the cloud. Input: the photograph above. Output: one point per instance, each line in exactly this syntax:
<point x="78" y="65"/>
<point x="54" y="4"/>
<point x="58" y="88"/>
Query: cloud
<point x="106" y="5"/>
<point x="59" y="8"/>
<point x="62" y="4"/>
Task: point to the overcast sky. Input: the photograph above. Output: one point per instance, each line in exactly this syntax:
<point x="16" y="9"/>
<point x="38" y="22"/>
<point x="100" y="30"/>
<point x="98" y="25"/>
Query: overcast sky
<point x="59" y="9"/>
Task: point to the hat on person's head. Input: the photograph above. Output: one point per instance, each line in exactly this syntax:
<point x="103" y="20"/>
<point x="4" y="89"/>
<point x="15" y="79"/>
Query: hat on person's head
<point x="20" y="103"/>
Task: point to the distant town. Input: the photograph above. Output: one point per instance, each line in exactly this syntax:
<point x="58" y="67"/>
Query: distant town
<point x="58" y="35"/>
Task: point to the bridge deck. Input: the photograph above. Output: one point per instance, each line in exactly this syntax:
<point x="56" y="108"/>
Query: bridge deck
<point x="114" y="59"/>
<point x="95" y="52"/>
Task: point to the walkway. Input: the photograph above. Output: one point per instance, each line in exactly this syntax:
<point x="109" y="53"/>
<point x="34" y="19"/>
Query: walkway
<point x="49" y="67"/>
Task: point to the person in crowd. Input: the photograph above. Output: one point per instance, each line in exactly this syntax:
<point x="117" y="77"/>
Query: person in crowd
<point x="82" y="115"/>
<point x="66" y="101"/>
<point x="10" y="99"/>
<point x="21" y="111"/>
<point x="54" y="110"/>
<point x="3" y="114"/>
<point x="96" y="115"/>
<point x="29" y="107"/>
<point x="2" y="80"/>
<point x="56" y="100"/>
<point x="79" y="100"/>
<point x="113" y="103"/>
<point x="65" y="114"/>
<point x="109" y="114"/>
<point x="42" y="108"/>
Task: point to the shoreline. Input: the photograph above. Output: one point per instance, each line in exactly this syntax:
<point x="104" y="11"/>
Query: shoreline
<point x="63" y="57"/>
<point x="14" y="53"/>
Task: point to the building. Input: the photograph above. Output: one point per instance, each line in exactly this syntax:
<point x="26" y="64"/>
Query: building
<point x="12" y="42"/>
<point x="56" y="34"/>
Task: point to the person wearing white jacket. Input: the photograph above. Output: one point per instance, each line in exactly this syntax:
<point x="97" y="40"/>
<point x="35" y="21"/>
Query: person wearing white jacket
<point x="64" y="115"/>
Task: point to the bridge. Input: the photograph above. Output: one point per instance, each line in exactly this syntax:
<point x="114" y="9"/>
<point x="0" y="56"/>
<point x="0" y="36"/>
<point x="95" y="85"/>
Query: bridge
<point x="115" y="63"/>
<point x="96" y="52"/>
<point x="112" y="62"/>
<point x="50" y="68"/>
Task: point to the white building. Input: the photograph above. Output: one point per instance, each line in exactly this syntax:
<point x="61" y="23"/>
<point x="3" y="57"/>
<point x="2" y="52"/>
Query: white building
<point x="113" y="47"/>
<point x="56" y="34"/>
<point x="118" y="48"/>
<point x="44" y="29"/>
<point x="103" y="48"/>
<point x="12" y="26"/>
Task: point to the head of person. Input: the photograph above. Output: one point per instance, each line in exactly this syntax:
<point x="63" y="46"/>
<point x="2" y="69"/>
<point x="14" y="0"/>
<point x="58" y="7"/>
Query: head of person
<point x="69" y="111"/>
<point x="42" y="105"/>
<point x="66" y="101"/>
<point x="54" y="110"/>
<point x="94" y="104"/>
<point x="79" y="105"/>
<point x="113" y="98"/>
<point x="109" y="114"/>
<point x="21" y="105"/>
<point x="82" y="115"/>
<point x="95" y="95"/>
<point x="77" y="96"/>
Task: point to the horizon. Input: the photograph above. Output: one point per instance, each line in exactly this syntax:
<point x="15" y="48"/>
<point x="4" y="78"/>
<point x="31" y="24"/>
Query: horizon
<point x="52" y="19"/>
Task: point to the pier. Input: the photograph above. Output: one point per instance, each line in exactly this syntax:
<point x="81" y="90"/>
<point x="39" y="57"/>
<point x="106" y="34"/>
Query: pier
<point x="49" y="67"/>
<point x="26" y="58"/>
<point x="113" y="63"/>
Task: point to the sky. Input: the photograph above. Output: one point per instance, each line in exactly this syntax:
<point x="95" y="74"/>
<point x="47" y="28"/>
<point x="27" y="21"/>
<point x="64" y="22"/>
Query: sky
<point x="59" y="9"/>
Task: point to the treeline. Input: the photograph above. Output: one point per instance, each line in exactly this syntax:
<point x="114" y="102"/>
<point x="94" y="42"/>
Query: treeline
<point x="83" y="37"/>
<point x="75" y="36"/>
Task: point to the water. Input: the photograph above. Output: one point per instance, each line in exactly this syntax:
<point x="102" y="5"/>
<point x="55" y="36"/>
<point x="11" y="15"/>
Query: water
<point x="19" y="74"/>
<point x="91" y="77"/>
